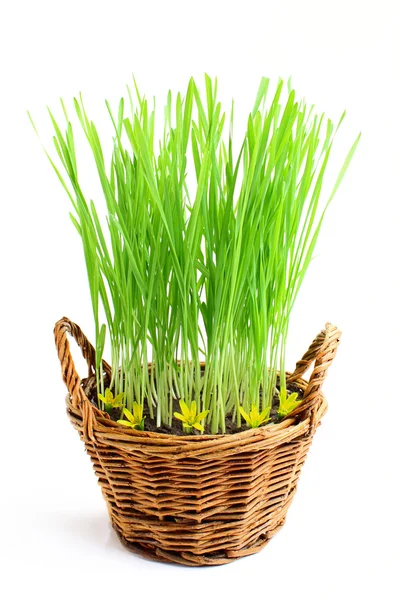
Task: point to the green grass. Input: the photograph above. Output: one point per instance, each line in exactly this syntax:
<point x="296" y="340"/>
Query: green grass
<point x="181" y="273"/>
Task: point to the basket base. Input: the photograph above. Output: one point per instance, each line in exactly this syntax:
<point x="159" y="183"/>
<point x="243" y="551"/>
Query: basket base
<point x="190" y="559"/>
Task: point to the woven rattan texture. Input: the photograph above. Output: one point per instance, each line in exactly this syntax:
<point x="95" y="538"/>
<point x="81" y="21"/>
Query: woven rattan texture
<point x="197" y="500"/>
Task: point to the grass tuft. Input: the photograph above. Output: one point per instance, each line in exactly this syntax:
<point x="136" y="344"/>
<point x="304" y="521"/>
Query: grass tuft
<point x="181" y="273"/>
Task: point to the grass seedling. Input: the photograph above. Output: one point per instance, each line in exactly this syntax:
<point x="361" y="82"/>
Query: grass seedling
<point x="287" y="403"/>
<point x="255" y="418"/>
<point x="135" y="420"/>
<point x="199" y="245"/>
<point x="109" y="401"/>
<point x="190" y="418"/>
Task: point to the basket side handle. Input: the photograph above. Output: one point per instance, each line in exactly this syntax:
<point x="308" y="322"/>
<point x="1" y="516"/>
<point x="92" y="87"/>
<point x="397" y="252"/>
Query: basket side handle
<point x="62" y="329"/>
<point x="321" y="352"/>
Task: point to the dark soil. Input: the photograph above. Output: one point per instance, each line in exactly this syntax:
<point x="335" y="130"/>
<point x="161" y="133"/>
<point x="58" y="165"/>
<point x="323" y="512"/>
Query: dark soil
<point x="89" y="386"/>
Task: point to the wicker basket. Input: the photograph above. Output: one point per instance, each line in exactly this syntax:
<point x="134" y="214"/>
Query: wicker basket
<point x="204" y="499"/>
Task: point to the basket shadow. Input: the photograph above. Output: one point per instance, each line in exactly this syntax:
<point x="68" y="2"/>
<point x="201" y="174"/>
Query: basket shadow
<point x="91" y="530"/>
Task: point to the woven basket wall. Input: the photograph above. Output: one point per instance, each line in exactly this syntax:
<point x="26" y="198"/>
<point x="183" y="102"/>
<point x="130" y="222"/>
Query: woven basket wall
<point x="197" y="500"/>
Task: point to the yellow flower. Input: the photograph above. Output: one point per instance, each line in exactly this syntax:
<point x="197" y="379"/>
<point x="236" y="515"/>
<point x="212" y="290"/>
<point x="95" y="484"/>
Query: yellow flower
<point x="255" y="418"/>
<point x="189" y="417"/>
<point x="109" y="401"/>
<point x="287" y="403"/>
<point x="135" y="420"/>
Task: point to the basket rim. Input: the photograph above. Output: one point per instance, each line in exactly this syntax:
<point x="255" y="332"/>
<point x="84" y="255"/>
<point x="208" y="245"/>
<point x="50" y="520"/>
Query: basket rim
<point x="94" y="426"/>
<point x="265" y="431"/>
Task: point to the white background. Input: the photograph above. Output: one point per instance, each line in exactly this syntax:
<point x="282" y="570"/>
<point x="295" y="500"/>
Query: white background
<point x="341" y="537"/>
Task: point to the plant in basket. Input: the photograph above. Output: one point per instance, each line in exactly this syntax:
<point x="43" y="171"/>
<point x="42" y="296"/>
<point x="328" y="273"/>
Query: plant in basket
<point x="195" y="255"/>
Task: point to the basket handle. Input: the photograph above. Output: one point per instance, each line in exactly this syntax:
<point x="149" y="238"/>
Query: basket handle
<point x="62" y="329"/>
<point x="321" y="352"/>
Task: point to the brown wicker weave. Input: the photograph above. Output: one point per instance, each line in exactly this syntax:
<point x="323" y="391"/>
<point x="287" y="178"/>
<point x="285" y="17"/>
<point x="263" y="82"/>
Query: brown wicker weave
<point x="197" y="500"/>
